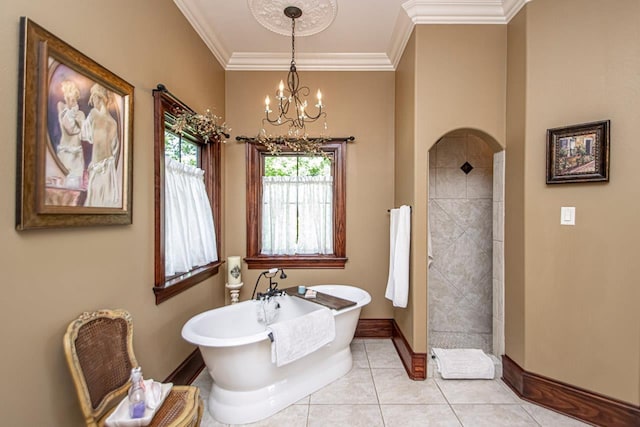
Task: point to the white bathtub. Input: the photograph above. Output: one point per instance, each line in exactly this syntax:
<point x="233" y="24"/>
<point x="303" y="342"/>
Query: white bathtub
<point x="247" y="386"/>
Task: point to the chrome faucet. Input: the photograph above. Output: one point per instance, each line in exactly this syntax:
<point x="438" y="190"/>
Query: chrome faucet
<point x="273" y="286"/>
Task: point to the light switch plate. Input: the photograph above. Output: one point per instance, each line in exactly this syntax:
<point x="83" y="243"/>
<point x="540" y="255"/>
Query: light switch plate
<point x="567" y="215"/>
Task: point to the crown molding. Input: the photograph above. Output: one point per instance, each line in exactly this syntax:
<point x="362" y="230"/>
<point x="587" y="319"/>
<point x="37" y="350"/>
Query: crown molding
<point x="399" y="38"/>
<point x="260" y="61"/>
<point x="512" y="7"/>
<point x="415" y="12"/>
<point x="209" y="37"/>
<point x="462" y="11"/>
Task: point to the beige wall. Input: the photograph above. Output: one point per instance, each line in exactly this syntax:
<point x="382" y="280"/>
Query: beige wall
<point x="581" y="293"/>
<point x="514" y="189"/>
<point x="460" y="73"/>
<point x="404" y="191"/>
<point x="359" y="104"/>
<point x="50" y="276"/>
<point x="571" y="292"/>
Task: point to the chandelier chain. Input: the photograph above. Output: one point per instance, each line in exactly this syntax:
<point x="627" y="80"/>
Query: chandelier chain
<point x="293" y="41"/>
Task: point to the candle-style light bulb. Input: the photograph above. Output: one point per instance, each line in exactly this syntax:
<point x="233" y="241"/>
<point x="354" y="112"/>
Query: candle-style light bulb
<point x="281" y="89"/>
<point x="319" y="97"/>
<point x="267" y="101"/>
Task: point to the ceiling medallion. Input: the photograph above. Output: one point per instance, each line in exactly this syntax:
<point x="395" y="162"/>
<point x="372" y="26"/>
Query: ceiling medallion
<point x="318" y="15"/>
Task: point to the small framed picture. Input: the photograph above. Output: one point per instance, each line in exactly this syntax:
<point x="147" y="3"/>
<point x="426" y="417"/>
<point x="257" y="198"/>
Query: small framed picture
<point x="75" y="137"/>
<point x="578" y="153"/>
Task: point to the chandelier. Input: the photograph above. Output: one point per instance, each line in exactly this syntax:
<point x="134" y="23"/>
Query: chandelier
<point x="292" y="107"/>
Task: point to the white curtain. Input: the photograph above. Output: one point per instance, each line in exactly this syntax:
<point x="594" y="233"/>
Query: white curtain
<point x="190" y="237"/>
<point x="297" y="215"/>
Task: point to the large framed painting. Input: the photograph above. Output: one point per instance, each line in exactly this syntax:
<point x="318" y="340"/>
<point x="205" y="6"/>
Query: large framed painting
<point x="75" y="137"/>
<point x="578" y="153"/>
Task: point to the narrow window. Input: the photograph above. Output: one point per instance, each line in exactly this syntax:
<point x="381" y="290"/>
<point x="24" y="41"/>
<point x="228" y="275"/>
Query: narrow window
<point x="187" y="207"/>
<point x="296" y="208"/>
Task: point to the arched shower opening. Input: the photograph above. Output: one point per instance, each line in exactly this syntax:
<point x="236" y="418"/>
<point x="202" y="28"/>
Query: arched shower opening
<point x="466" y="222"/>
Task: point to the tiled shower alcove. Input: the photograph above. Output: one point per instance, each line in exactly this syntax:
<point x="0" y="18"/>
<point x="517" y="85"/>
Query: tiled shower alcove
<point x="465" y="221"/>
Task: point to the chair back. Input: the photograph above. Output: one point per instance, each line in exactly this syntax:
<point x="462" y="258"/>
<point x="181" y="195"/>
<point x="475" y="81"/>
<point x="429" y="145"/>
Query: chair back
<point x="99" y="350"/>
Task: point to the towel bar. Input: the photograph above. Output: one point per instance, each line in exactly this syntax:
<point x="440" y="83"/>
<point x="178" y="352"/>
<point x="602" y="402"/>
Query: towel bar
<point x="410" y="207"/>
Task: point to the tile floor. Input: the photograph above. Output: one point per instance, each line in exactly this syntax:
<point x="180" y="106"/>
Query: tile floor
<point x="377" y="392"/>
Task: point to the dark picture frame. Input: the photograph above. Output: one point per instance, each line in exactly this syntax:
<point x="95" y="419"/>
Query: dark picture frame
<point x="578" y="153"/>
<point x="75" y="137"/>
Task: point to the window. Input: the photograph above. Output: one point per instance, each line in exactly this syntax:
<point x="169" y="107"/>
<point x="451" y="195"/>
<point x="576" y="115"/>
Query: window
<point x="296" y="208"/>
<point x="182" y="158"/>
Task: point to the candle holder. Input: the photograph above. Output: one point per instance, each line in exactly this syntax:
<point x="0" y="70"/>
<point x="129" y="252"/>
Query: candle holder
<point x="234" y="291"/>
<point x="234" y="277"/>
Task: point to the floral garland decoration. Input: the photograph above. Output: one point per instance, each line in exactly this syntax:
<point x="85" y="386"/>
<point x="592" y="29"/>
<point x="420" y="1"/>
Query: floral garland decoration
<point x="302" y="145"/>
<point x="205" y="125"/>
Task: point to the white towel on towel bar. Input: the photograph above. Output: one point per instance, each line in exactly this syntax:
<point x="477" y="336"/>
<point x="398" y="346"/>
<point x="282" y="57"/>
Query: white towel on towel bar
<point x="399" y="246"/>
<point x="295" y="338"/>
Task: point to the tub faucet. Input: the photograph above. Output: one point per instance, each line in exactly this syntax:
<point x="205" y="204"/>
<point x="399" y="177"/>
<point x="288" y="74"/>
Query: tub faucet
<point x="273" y="286"/>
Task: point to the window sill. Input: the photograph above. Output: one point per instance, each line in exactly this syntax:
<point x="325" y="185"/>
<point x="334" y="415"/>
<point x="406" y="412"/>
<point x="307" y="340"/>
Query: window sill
<point x="179" y="284"/>
<point x="298" y="261"/>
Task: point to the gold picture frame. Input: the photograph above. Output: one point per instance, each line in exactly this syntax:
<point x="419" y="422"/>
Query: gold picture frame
<point x="75" y="137"/>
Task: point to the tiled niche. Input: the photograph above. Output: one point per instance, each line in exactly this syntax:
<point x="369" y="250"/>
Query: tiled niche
<point x="462" y="218"/>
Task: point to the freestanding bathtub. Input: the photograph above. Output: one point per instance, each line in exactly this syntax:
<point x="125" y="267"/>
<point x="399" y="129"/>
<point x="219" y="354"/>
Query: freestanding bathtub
<point x="236" y="348"/>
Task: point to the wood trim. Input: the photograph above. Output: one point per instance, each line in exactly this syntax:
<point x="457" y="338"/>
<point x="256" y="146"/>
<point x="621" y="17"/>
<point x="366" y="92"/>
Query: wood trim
<point x="512" y="374"/>
<point x="164" y="287"/>
<point x="339" y="150"/>
<point x="283" y="261"/>
<point x="188" y="370"/>
<point x="414" y="363"/>
<point x="325" y="300"/>
<point x="567" y="399"/>
<point x="255" y="171"/>
<point x="183" y="282"/>
<point x="374" y="328"/>
<point x="160" y="103"/>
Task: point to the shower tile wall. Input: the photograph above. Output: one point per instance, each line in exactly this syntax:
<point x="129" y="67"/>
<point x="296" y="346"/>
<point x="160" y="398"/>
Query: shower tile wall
<point x="461" y="223"/>
<point x="498" y="253"/>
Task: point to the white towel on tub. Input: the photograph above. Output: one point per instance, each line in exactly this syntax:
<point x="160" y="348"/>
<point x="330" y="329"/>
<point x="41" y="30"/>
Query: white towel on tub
<point x="295" y="338"/>
<point x="400" y="238"/>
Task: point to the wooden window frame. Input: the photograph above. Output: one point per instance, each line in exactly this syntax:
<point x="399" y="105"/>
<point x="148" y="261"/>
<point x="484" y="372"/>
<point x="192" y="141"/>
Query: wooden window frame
<point x="255" y="171"/>
<point x="165" y="288"/>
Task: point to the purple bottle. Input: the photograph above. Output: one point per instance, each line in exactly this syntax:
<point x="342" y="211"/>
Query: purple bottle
<point x="136" y="394"/>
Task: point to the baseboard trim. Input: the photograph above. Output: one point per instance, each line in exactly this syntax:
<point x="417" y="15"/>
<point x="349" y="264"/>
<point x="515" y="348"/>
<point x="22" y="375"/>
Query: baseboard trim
<point x="414" y="363"/>
<point x="567" y="399"/>
<point x="513" y="375"/>
<point x="374" y="328"/>
<point x="188" y="370"/>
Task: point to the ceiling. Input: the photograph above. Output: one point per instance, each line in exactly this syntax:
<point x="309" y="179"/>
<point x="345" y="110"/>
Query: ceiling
<point x="365" y="35"/>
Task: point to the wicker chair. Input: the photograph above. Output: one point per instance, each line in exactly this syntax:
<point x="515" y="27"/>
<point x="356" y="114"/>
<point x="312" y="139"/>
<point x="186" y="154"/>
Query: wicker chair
<point x="99" y="351"/>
